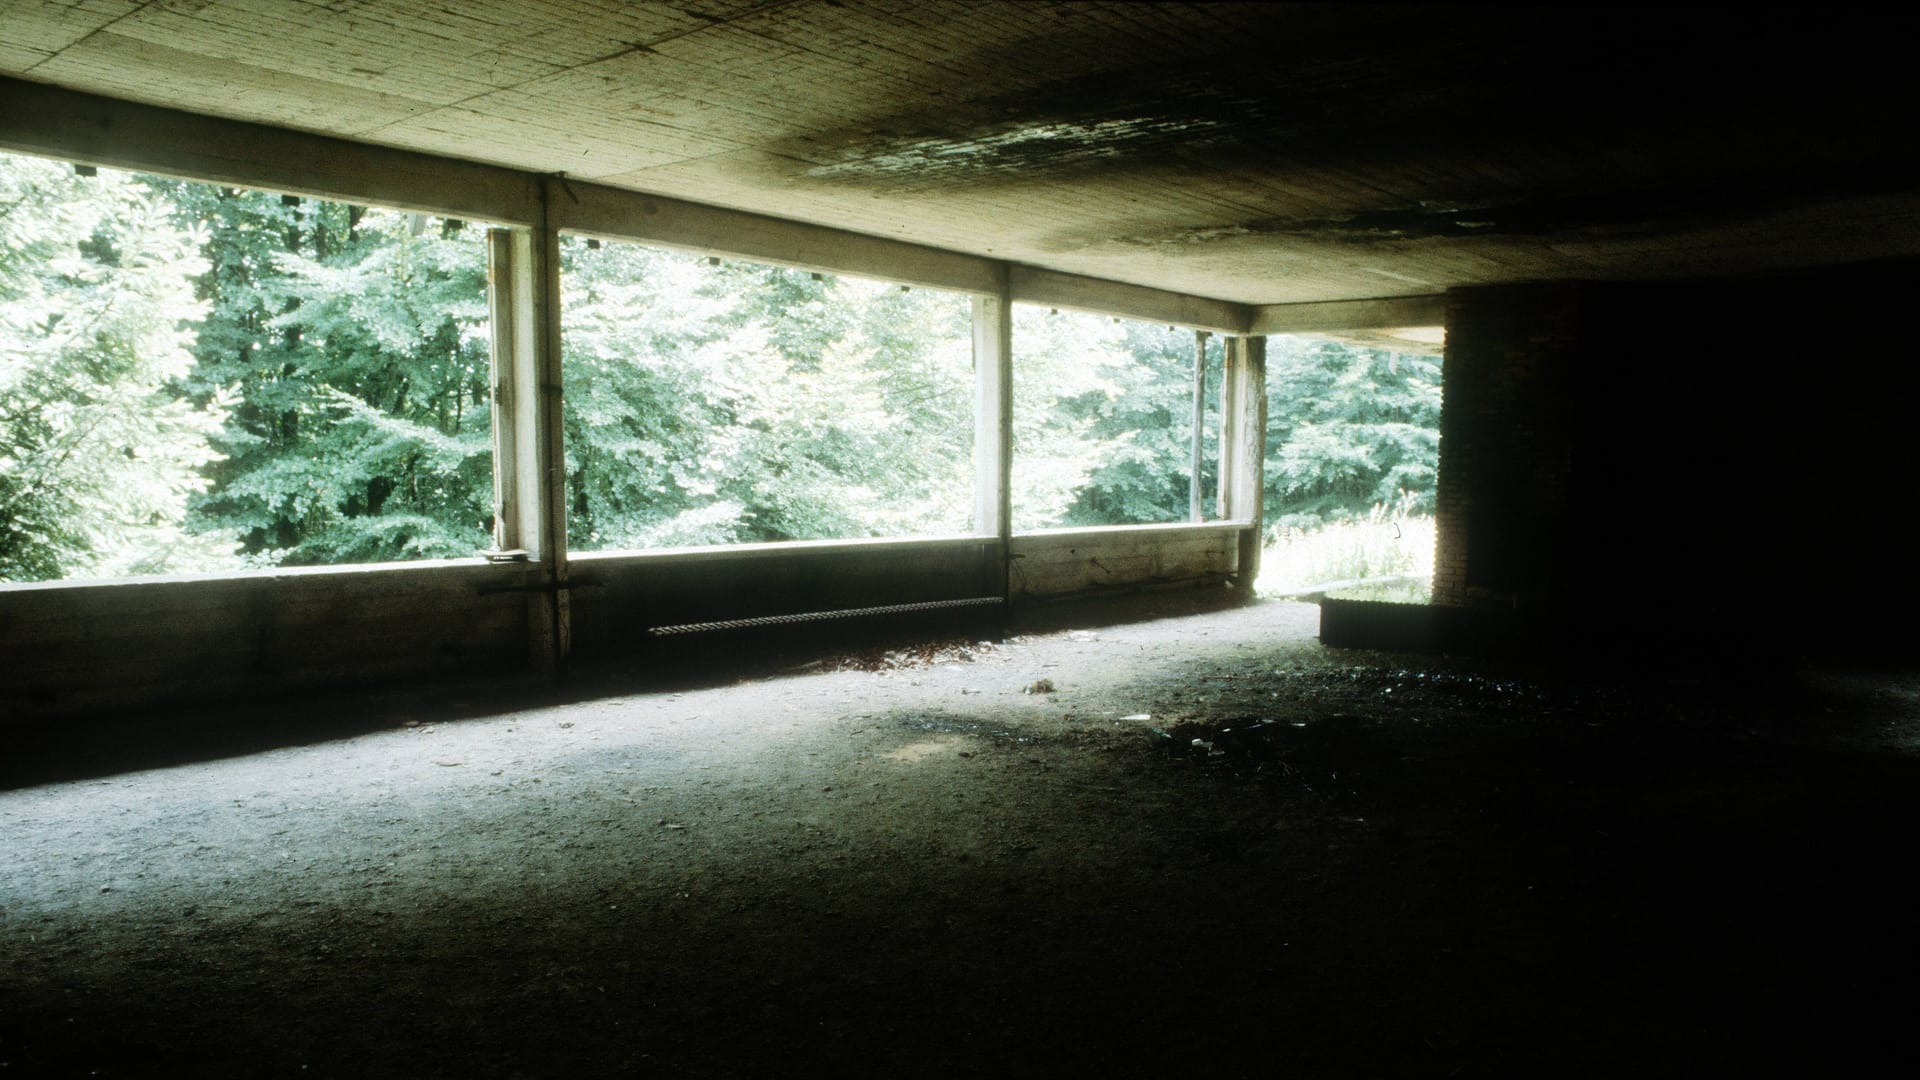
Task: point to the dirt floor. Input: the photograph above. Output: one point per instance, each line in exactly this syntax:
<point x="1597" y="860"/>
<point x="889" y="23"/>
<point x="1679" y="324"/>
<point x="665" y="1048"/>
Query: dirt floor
<point x="1194" y="842"/>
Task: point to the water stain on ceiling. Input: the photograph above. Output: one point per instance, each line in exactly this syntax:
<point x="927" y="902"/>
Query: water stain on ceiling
<point x="1138" y="118"/>
<point x="1428" y="128"/>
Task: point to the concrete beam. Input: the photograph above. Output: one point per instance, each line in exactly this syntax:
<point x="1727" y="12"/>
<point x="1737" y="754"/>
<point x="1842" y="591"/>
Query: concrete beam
<point x="1050" y="288"/>
<point x="1333" y="315"/>
<point x="87" y="128"/>
<point x="614" y="213"/>
<point x="93" y="130"/>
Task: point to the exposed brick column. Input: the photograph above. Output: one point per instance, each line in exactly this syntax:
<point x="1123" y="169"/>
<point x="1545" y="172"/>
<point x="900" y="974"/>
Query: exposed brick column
<point x="1506" y="436"/>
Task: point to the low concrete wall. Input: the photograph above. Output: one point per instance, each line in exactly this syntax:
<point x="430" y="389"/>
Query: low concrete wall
<point x="72" y="647"/>
<point x="1058" y="562"/>
<point x="76" y="647"/>
<point x="619" y="596"/>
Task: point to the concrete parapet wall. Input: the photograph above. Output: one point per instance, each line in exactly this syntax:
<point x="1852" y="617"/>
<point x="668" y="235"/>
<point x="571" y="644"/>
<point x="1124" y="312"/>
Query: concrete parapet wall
<point x="74" y="647"/>
<point x="88" y="646"/>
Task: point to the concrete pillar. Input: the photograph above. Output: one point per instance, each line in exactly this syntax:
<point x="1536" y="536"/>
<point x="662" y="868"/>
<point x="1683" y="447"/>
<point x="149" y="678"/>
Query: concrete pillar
<point x="529" y="470"/>
<point x="1243" y="448"/>
<point x="993" y="426"/>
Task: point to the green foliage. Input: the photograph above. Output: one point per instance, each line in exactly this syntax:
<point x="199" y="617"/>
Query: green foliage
<point x="1388" y="546"/>
<point x="1348" y="430"/>
<point x="99" y="453"/>
<point x="1061" y="372"/>
<point x="354" y="342"/>
<point x="199" y="378"/>
<point x="1148" y="423"/>
<point x="1103" y="415"/>
<point x="749" y="403"/>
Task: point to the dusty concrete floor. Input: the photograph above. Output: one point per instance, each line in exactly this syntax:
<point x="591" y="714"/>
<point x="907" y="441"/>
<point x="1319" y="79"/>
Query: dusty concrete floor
<point x="1370" y="865"/>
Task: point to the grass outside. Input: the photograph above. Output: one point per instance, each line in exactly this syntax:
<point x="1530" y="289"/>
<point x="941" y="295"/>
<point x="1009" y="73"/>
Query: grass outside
<point x="1383" y="557"/>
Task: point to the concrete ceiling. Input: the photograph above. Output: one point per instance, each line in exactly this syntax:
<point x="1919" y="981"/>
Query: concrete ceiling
<point x="1258" y="153"/>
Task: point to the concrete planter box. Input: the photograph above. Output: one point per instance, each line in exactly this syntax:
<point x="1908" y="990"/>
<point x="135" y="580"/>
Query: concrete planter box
<point x="1424" y="628"/>
<point x="1377" y="624"/>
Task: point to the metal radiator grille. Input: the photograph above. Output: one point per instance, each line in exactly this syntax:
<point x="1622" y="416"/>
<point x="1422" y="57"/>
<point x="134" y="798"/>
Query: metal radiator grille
<point x="824" y="616"/>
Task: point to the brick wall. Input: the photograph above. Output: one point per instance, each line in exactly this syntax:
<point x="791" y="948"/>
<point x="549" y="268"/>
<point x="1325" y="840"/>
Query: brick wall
<point x="1675" y="468"/>
<point x="1505" y="446"/>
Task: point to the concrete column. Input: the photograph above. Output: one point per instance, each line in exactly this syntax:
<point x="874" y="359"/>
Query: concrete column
<point x="1196" y="503"/>
<point x="993" y="429"/>
<point x="529" y="465"/>
<point x="1243" y="448"/>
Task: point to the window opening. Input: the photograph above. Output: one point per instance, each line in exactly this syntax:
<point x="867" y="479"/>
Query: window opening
<point x="1353" y="446"/>
<point x="717" y="401"/>
<point x="198" y="378"/>
<point x="1103" y="420"/>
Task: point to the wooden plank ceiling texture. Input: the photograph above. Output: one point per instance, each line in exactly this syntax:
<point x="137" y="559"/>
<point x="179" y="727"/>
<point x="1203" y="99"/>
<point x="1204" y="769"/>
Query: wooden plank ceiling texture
<point x="1256" y="153"/>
